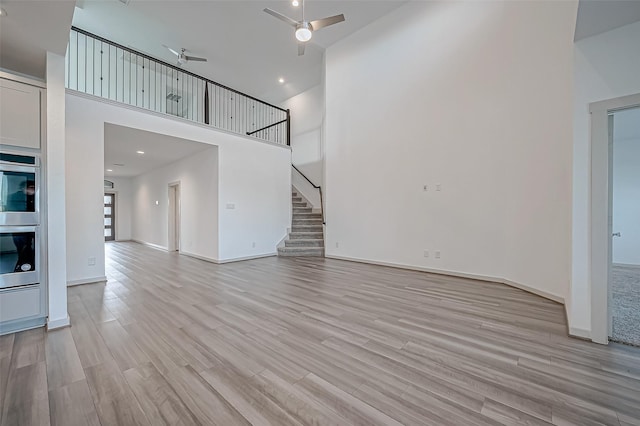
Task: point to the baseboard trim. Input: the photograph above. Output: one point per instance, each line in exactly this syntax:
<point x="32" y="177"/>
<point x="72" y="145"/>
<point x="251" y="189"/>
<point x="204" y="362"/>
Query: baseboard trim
<point x="541" y="293"/>
<point x="240" y="259"/>
<point x="197" y="256"/>
<point x="61" y="323"/>
<point x="86" y="281"/>
<point x="626" y="265"/>
<point x="155" y="246"/>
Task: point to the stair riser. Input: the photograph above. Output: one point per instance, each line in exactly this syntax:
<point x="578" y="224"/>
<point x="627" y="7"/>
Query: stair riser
<point x="296" y="199"/>
<point x="302" y="209"/>
<point x="289" y="251"/>
<point x="296" y="228"/>
<point x="317" y="222"/>
<point x="303" y="243"/>
<point x="299" y="204"/>
<point x="305" y="236"/>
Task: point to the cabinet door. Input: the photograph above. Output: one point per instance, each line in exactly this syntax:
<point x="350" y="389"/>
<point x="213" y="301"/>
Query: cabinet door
<point x="19" y="114"/>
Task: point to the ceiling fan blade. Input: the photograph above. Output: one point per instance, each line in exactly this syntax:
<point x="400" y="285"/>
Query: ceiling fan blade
<point x="282" y="17"/>
<point x="171" y="50"/>
<point x="301" y="47"/>
<point x="325" y="22"/>
<point x="195" y="58"/>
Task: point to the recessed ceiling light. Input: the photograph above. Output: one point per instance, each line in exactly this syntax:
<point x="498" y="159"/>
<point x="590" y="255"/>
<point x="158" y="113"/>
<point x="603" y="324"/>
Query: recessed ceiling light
<point x="140" y="152"/>
<point x="281" y="80"/>
<point x="109" y="170"/>
<point x="3" y="12"/>
<point x="295" y="3"/>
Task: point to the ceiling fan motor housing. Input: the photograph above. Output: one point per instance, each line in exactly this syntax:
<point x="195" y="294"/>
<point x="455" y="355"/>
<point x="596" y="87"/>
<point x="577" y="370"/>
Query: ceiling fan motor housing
<point x="304" y="31"/>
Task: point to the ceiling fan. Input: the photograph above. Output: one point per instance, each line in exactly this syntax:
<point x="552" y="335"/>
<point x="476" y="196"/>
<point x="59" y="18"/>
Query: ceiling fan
<point x="305" y="29"/>
<point x="183" y="58"/>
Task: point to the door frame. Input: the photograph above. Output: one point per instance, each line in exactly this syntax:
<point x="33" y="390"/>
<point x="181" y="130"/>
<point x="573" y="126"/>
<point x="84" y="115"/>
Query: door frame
<point x="174" y="206"/>
<point x="113" y="214"/>
<point x="600" y="220"/>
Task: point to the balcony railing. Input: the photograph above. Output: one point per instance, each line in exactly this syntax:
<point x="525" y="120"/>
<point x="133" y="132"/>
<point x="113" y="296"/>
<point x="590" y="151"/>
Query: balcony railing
<point x="106" y="69"/>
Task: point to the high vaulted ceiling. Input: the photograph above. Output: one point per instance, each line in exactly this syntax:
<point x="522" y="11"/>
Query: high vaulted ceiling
<point x="247" y="49"/>
<point x="599" y="16"/>
<point x="29" y="30"/>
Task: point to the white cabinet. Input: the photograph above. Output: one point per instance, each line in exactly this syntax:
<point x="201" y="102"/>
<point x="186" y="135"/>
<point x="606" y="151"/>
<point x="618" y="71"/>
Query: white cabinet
<point x="20" y="303"/>
<point x="20" y="114"/>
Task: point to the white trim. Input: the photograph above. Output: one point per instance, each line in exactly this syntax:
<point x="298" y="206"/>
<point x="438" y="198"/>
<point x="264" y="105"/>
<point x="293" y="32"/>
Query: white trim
<point x="541" y="293"/>
<point x="580" y="333"/>
<point x="197" y="256"/>
<point x="155" y="246"/>
<point x="86" y="281"/>
<point x="239" y="259"/>
<point x="22" y="78"/>
<point x="600" y="211"/>
<point x="53" y="325"/>
<point x="626" y="265"/>
<point x="170" y="117"/>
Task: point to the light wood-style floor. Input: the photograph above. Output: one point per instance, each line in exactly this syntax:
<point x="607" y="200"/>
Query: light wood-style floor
<point x="293" y="341"/>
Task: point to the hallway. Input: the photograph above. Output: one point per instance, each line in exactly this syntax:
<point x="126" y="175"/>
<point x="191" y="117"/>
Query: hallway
<point x="175" y="340"/>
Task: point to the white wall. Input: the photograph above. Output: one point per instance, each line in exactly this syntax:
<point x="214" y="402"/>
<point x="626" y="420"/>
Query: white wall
<point x="475" y="97"/>
<point x="307" y="151"/>
<point x="626" y="200"/>
<point x="254" y="176"/>
<point x="198" y="178"/>
<point x="606" y="66"/>
<point x="55" y="202"/>
<point x="124" y="206"/>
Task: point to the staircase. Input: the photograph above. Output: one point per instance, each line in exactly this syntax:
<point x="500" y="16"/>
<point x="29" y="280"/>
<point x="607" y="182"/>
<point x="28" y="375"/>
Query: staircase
<point x="306" y="238"/>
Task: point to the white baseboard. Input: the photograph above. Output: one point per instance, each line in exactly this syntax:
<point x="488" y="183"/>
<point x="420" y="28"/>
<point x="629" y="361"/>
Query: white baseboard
<point x="60" y="323"/>
<point x="239" y="259"/>
<point x="197" y="256"/>
<point x="541" y="293"/>
<point x="626" y="265"/>
<point x="155" y="246"/>
<point x="86" y="281"/>
<point x="218" y="261"/>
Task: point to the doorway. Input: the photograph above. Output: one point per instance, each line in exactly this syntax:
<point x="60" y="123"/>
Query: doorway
<point x="624" y="273"/>
<point x="606" y="303"/>
<point x="174" y="217"/>
<point x="109" y="217"/>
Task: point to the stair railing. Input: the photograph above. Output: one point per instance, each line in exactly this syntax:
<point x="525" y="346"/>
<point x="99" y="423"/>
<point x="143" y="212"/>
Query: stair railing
<point x="100" y="67"/>
<point x="318" y="187"/>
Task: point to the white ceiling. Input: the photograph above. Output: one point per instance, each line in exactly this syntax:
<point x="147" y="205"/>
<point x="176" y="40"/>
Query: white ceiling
<point x="247" y="49"/>
<point x="599" y="16"/>
<point x="121" y="144"/>
<point x="30" y="29"/>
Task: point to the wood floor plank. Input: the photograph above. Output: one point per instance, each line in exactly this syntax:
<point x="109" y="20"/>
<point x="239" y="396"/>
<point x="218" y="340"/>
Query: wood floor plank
<point x="63" y="363"/>
<point x="157" y="398"/>
<point x="114" y="401"/>
<point x="171" y="339"/>
<point x="26" y="400"/>
<point x="72" y="405"/>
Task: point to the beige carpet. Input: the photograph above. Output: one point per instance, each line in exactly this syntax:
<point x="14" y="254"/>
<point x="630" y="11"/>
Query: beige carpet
<point x="626" y="304"/>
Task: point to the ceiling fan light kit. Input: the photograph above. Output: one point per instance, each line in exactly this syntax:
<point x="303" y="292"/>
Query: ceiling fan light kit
<point x="304" y="29"/>
<point x="304" y="33"/>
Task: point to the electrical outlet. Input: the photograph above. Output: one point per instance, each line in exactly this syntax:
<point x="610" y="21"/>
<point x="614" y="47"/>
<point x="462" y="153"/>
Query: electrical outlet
<point x="426" y="253"/>
<point x="231" y="206"/>
<point x="425" y="188"/>
<point x="91" y="261"/>
<point x="438" y="187"/>
<point x="337" y="244"/>
<point x="437" y="254"/>
<point x="253" y="244"/>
